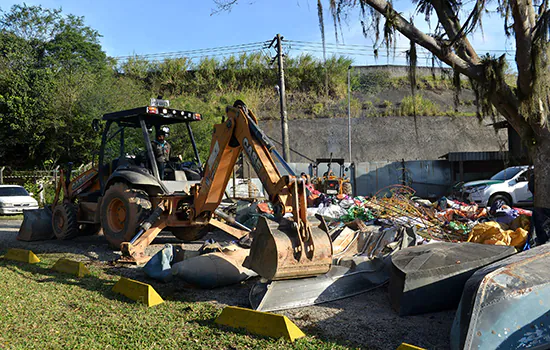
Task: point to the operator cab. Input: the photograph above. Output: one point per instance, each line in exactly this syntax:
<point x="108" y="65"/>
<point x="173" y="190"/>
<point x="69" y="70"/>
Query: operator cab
<point x="127" y="148"/>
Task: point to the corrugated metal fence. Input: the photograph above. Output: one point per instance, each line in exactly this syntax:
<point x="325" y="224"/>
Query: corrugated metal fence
<point x="429" y="178"/>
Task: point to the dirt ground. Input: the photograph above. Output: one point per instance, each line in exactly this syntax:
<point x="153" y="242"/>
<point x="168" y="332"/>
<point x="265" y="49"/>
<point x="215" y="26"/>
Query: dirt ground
<point x="365" y="321"/>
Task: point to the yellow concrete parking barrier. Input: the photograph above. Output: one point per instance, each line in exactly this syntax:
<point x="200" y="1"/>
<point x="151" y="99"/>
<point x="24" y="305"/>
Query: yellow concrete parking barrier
<point x="22" y="255"/>
<point x="261" y="323"/>
<point x="138" y="291"/>
<point x="405" y="346"/>
<point x="76" y="268"/>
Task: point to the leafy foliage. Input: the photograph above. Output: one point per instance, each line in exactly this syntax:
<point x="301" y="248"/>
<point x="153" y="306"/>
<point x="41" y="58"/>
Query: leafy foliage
<point x="51" y="68"/>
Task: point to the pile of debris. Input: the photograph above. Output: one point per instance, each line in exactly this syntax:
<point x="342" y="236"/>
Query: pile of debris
<point x="444" y="220"/>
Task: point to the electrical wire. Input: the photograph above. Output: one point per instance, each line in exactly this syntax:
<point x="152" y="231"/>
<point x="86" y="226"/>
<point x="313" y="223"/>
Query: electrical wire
<point x="259" y="44"/>
<point x="302" y="46"/>
<point x="333" y="45"/>
<point x="422" y="54"/>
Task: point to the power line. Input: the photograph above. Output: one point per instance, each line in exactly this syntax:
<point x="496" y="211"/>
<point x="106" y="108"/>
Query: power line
<point x="300" y="45"/>
<point x="422" y="53"/>
<point x="222" y="50"/>
<point x="334" y="45"/>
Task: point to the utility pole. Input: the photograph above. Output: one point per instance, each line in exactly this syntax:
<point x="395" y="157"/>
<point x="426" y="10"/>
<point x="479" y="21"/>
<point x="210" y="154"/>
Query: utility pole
<point x="282" y="97"/>
<point x="349" y="113"/>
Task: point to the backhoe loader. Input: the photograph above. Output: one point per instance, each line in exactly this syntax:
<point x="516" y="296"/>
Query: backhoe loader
<point x="117" y="193"/>
<point x="329" y="183"/>
<point x="289" y="248"/>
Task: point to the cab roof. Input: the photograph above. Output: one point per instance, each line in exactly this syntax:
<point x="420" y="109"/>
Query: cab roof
<point x="154" y="116"/>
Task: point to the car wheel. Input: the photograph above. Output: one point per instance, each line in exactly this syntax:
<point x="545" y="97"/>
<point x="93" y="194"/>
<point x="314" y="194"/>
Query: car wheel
<point x="64" y="222"/>
<point x="500" y="200"/>
<point x="123" y="209"/>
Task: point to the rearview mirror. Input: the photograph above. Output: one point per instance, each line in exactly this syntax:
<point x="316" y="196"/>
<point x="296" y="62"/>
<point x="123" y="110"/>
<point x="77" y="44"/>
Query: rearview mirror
<point x="96" y="125"/>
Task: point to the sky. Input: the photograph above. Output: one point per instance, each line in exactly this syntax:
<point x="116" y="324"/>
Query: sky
<point x="130" y="27"/>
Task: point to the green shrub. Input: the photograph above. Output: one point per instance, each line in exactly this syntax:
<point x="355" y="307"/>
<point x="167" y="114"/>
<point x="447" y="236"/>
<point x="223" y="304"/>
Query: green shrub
<point x="388" y="108"/>
<point x="317" y="108"/>
<point x="420" y="104"/>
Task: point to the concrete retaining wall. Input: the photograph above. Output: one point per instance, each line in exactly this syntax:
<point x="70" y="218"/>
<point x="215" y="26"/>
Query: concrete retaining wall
<point x="386" y="138"/>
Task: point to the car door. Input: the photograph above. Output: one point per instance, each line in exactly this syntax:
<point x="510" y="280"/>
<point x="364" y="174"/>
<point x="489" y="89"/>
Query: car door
<point x="522" y="194"/>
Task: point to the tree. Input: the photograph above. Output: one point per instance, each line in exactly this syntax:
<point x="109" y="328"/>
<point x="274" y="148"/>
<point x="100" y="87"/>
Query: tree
<point x="51" y="69"/>
<point x="525" y="106"/>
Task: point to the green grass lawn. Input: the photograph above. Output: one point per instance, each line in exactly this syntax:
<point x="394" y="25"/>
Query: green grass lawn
<point x="42" y="309"/>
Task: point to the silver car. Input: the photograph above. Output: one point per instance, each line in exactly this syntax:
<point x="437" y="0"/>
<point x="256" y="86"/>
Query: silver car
<point x="14" y="199"/>
<point x="510" y="187"/>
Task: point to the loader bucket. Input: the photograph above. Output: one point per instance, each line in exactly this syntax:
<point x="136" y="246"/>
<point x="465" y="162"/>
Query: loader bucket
<point x="275" y="253"/>
<point x="36" y="226"/>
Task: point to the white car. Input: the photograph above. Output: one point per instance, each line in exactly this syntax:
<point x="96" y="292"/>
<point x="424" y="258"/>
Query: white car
<point x="510" y="187"/>
<point x="14" y="199"/>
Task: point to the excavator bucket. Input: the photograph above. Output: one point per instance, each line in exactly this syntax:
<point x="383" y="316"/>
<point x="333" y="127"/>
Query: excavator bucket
<point x="36" y="226"/>
<point x="277" y="253"/>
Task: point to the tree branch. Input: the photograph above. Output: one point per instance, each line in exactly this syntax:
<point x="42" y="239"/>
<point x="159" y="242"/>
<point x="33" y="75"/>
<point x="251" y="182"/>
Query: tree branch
<point x="506" y="103"/>
<point x="469" y="69"/>
<point x="223" y="6"/>
<point x="524" y="23"/>
<point x="450" y="22"/>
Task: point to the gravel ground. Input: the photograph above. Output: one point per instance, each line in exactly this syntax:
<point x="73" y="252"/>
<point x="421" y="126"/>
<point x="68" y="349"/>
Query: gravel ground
<point x="366" y="320"/>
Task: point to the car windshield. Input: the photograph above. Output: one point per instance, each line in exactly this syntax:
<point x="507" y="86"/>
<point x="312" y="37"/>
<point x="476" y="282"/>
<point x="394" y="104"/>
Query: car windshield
<point x="13" y="191"/>
<point x="506" y="174"/>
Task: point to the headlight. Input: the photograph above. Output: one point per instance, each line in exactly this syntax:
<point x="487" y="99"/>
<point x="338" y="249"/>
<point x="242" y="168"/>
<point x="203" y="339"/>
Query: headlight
<point x="6" y="205"/>
<point x="480" y="188"/>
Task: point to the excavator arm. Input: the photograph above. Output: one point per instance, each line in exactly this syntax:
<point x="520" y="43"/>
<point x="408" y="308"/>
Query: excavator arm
<point x="237" y="133"/>
<point x="288" y="248"/>
<point x="282" y="250"/>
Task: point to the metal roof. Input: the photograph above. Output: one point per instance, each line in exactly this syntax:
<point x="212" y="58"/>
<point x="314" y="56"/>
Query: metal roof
<point x="153" y="116"/>
<point x="475" y="156"/>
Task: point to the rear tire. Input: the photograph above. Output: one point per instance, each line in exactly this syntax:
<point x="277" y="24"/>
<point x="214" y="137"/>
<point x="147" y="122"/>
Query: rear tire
<point x="64" y="221"/>
<point x="189" y="234"/>
<point x="123" y="209"/>
<point x="504" y="199"/>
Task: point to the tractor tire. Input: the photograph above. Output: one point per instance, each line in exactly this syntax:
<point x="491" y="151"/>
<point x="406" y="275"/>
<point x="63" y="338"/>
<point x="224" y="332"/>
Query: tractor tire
<point x="499" y="198"/>
<point x="64" y="221"/>
<point x="189" y="234"/>
<point x="122" y="210"/>
<point x="347" y="189"/>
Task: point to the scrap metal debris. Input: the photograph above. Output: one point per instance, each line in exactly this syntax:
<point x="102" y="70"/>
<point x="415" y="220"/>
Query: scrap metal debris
<point x="444" y="220"/>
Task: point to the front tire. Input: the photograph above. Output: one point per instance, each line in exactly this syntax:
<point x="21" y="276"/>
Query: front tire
<point x="64" y="221"/>
<point x="123" y="209"/>
<point x="504" y="200"/>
